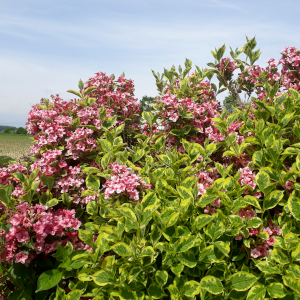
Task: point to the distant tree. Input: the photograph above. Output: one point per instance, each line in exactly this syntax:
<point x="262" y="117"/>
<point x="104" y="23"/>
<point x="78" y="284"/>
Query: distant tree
<point x="9" y="130"/>
<point x="21" y="130"/>
<point x="147" y="103"/>
<point x="229" y="102"/>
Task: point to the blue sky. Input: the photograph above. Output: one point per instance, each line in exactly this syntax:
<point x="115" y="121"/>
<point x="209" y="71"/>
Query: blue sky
<point x="47" y="46"/>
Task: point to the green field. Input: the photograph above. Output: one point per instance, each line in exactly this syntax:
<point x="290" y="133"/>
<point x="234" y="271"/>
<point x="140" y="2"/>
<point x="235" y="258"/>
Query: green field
<point x="15" y="145"/>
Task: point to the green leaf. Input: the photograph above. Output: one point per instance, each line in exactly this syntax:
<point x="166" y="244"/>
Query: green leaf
<point x="231" y="118"/>
<point x="286" y="119"/>
<point x="90" y="101"/>
<point x="89" y="90"/>
<point x="252" y="201"/>
<point x="263" y="180"/>
<point x="242" y="281"/>
<point x="273" y="199"/>
<point x="267" y="267"/>
<point x="134" y="272"/>
<point x="80" y="84"/>
<point x="47" y="181"/>
<point x="294" y="207"/>
<point x="48" y="280"/>
<point x="173" y="219"/>
<point x="106" y="145"/>
<point x="191" y="288"/>
<point x="86" y="236"/>
<point x="189" y="182"/>
<point x="155" y="291"/>
<point x="149" y="199"/>
<point x="165" y="159"/>
<point x="215" y="229"/>
<point x="105" y="160"/>
<point x="92" y="208"/>
<point x="206" y="199"/>
<point x="127" y="212"/>
<point x="202" y="220"/>
<point x="177" y="269"/>
<point x="147" y="251"/>
<point x="254" y="222"/>
<point x="184" y="84"/>
<point x="62" y="253"/>
<point x="155" y="234"/>
<point x="184" y="193"/>
<point x="184" y="244"/>
<point x="291" y="151"/>
<point x="102" y="113"/>
<point x="277" y="290"/>
<point x="293" y="270"/>
<point x="292" y="283"/>
<point x="280" y="256"/>
<point x="187" y="258"/>
<point x="148" y="116"/>
<point x="74" y="92"/>
<point x="108" y="123"/>
<point x="147" y="214"/>
<point x="52" y="202"/>
<point x="74" y="295"/>
<point x="5" y="196"/>
<point x="93" y="182"/>
<point x="122" y="249"/>
<point x="60" y="294"/>
<point x="223" y="247"/>
<point x="296" y="253"/>
<point x="161" y="277"/>
<point x="138" y="155"/>
<point x="212" y="284"/>
<point x="257" y="292"/>
<point x="5" y="159"/>
<point x="21" y="177"/>
<point x="103" y="278"/>
<point x="259" y="159"/>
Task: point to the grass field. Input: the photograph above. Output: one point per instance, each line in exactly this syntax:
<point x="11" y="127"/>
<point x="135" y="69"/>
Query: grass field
<point x="14" y="145"/>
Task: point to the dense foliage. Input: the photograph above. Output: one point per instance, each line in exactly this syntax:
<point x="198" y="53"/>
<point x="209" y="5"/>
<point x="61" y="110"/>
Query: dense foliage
<point x="192" y="203"/>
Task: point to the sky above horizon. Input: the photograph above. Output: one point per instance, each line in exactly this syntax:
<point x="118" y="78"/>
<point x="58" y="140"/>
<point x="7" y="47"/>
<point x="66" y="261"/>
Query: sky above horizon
<point x="47" y="46"/>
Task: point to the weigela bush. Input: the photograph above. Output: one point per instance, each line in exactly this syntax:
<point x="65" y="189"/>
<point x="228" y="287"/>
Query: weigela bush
<point x="190" y="203"/>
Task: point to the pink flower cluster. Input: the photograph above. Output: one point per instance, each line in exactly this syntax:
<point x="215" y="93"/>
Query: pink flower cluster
<point x="290" y="68"/>
<point x="211" y="210"/>
<point x="262" y="249"/>
<point x="288" y="77"/>
<point x="36" y="224"/>
<point x="247" y="178"/>
<point x="65" y="133"/>
<point x="226" y="67"/>
<point x="202" y="108"/>
<point x="247" y="212"/>
<point x="6" y="177"/>
<point x="124" y="182"/>
<point x="118" y="96"/>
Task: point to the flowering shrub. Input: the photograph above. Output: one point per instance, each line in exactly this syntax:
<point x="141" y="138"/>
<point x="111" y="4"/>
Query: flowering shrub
<point x="192" y="204"/>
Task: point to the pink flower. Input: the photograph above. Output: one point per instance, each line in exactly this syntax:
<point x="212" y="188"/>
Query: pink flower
<point x="21" y="257"/>
<point x="123" y="181"/>
<point x="22" y="236"/>
<point x="252" y="231"/>
<point x="239" y="236"/>
<point x="247" y="177"/>
<point x="289" y="184"/>
<point x="268" y="230"/>
<point x="255" y="253"/>
<point x="247" y="212"/>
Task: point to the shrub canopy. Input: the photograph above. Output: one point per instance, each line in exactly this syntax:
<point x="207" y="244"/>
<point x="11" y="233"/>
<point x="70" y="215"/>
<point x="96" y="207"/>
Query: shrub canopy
<point x="192" y="203"/>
